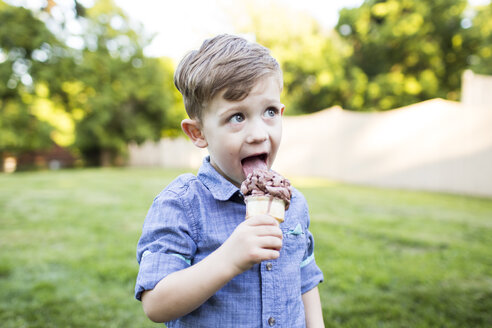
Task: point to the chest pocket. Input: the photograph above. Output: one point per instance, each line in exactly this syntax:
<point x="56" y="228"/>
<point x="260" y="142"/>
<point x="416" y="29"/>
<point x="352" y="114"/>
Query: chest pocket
<point x="294" y="242"/>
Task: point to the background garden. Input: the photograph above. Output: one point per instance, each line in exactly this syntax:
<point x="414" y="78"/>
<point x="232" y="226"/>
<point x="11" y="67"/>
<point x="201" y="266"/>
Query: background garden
<point x="75" y="78"/>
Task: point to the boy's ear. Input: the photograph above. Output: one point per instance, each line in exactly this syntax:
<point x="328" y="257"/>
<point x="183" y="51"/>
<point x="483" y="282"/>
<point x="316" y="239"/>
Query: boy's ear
<point x="193" y="131"/>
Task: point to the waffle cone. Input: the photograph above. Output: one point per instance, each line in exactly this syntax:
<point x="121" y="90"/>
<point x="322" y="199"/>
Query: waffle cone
<point x="265" y="205"/>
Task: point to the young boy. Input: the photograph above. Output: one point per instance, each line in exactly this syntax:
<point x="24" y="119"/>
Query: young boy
<point x="201" y="263"/>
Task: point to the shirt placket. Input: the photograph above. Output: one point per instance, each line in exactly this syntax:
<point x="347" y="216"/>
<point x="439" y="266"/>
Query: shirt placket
<point x="269" y="295"/>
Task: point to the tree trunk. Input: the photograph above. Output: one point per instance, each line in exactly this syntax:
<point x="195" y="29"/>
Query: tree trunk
<point x="2" y="162"/>
<point x="106" y="158"/>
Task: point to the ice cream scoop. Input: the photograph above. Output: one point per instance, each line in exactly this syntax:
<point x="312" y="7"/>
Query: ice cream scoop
<point x="266" y="192"/>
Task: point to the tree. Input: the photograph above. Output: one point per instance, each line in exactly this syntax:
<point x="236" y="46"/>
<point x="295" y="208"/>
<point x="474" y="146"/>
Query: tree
<point x="409" y="51"/>
<point x="30" y="56"/>
<point x="480" y="32"/>
<point x="120" y="96"/>
<point x="91" y="89"/>
<point x="312" y="60"/>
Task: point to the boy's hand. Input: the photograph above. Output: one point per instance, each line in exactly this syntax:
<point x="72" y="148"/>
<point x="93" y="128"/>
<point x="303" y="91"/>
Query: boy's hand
<point x="257" y="239"/>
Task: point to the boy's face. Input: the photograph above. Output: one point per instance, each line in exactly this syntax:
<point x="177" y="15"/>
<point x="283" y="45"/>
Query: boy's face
<point x="238" y="130"/>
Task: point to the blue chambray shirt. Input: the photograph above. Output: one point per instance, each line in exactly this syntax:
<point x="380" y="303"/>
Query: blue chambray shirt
<point x="191" y="218"/>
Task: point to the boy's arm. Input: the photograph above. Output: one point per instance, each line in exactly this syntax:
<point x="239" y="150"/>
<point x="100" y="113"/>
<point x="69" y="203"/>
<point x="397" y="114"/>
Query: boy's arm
<point x="183" y="291"/>
<point x="254" y="240"/>
<point x="312" y="309"/>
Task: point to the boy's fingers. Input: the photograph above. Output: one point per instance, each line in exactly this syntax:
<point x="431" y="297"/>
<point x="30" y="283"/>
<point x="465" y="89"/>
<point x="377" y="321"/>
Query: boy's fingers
<point x="262" y="219"/>
<point x="269" y="254"/>
<point x="268" y="230"/>
<point x="269" y="242"/>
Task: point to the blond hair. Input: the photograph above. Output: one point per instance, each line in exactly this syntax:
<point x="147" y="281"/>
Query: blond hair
<point x="225" y="62"/>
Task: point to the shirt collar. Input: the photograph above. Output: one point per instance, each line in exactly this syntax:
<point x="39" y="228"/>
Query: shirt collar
<point x="220" y="187"/>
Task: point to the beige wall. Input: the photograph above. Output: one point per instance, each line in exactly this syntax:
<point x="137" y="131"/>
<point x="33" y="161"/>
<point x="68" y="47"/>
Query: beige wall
<point x="435" y="145"/>
<point x="476" y="90"/>
<point x="178" y="153"/>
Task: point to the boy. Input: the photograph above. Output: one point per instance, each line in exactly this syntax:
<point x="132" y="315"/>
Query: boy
<point x="201" y="263"/>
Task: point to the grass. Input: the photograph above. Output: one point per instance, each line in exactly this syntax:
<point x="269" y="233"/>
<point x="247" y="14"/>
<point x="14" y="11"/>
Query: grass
<point x="390" y="258"/>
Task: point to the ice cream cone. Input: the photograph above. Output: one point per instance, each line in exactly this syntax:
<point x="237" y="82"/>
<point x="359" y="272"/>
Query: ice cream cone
<point x="265" y="205"/>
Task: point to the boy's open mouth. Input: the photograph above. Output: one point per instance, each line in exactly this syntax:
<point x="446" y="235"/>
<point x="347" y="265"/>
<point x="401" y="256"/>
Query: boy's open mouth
<point x="254" y="162"/>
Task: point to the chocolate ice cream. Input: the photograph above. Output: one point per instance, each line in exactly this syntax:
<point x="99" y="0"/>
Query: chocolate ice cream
<point x="267" y="183"/>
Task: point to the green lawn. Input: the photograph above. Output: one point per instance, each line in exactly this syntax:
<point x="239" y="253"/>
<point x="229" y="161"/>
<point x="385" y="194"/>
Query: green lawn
<point x="390" y="258"/>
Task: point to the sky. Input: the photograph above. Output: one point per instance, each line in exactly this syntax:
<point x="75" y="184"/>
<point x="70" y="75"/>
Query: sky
<point x="182" y="25"/>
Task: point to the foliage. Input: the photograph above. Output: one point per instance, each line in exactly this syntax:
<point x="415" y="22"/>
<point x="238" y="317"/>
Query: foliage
<point x="408" y="51"/>
<point x="29" y="55"/>
<point x="481" y="33"/>
<point x="382" y="55"/>
<point x="312" y="60"/>
<point x="120" y="96"/>
<point x="92" y="89"/>
<point x="390" y="258"/>
<point x="95" y="97"/>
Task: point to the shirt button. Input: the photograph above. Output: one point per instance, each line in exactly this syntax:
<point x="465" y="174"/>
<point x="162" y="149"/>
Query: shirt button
<point x="269" y="268"/>
<point x="271" y="321"/>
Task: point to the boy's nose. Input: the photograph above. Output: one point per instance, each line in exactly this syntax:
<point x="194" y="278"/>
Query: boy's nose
<point x="256" y="134"/>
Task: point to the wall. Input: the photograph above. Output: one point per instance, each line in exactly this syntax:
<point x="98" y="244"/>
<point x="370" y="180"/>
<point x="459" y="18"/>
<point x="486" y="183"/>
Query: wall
<point x="476" y="90"/>
<point x="178" y="153"/>
<point x="435" y="145"/>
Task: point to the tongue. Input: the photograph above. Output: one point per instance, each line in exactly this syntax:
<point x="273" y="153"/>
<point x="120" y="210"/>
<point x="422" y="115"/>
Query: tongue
<point x="253" y="163"/>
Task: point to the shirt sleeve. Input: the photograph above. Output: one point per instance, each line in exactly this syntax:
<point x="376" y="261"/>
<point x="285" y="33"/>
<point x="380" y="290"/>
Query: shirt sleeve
<point x="311" y="274"/>
<point x="166" y="244"/>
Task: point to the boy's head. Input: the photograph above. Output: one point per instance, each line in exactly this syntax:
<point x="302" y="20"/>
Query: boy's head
<point x="231" y="90"/>
<point x="225" y="62"/>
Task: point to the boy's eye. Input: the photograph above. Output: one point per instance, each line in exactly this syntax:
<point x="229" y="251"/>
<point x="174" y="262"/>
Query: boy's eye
<point x="236" y="118"/>
<point x="271" y="112"/>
